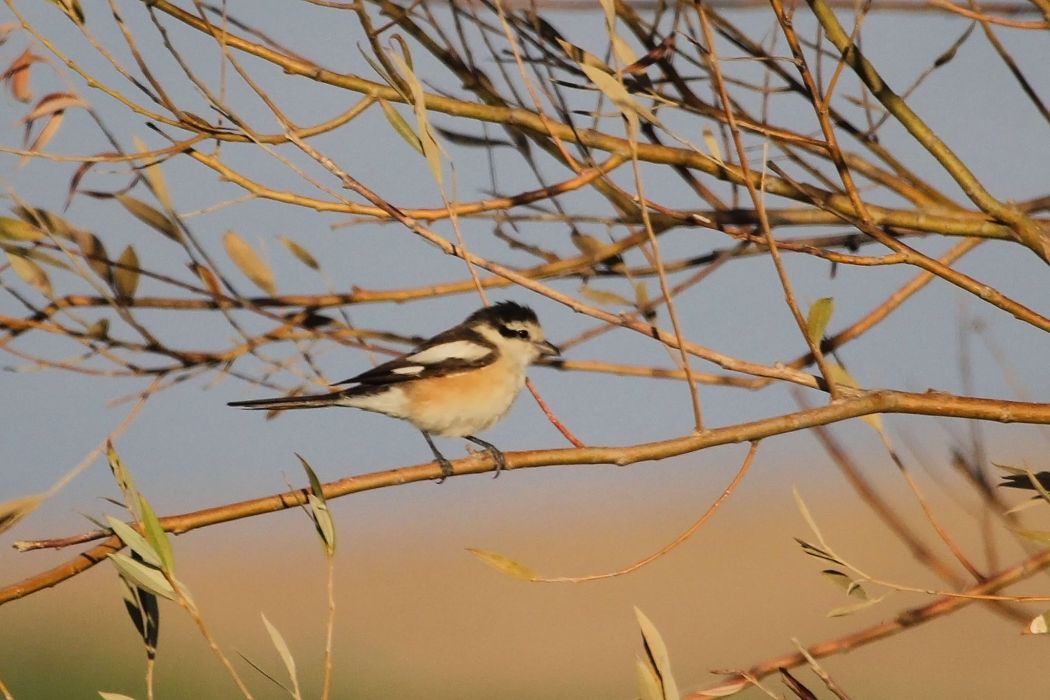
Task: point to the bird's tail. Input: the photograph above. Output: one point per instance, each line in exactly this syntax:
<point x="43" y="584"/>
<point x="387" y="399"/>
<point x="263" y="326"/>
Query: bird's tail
<point x="289" y="402"/>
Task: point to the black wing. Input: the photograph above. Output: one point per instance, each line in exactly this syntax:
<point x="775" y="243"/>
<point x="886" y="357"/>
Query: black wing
<point x="452" y="351"/>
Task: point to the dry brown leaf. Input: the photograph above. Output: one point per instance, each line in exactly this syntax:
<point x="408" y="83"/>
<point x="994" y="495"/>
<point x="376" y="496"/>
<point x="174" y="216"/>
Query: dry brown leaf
<point x="31" y="273"/>
<point x="17" y="75"/>
<point x="45" y="135"/>
<point x="299" y="252"/>
<point x="126" y="274"/>
<point x="94" y="254"/>
<point x="18" y="230"/>
<point x="249" y="262"/>
<point x="51" y="103"/>
<point x="210" y="280"/>
<point x="150" y="216"/>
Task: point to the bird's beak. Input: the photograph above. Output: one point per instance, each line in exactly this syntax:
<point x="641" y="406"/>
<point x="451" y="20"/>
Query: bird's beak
<point x="548" y="348"/>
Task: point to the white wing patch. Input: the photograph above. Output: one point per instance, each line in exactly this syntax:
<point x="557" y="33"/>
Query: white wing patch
<point x="455" y="350"/>
<point x="411" y="369"/>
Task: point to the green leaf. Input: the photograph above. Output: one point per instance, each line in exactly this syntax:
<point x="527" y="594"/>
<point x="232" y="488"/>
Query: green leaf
<point x="284" y="652"/>
<point x="431" y="149"/>
<point x="401" y="126"/>
<point x="845" y="582"/>
<point x="319" y="512"/>
<point x="818" y="317"/>
<point x="504" y="565"/>
<point x="817" y="552"/>
<point x="124" y="481"/>
<point x="850" y="609"/>
<point x="143" y="576"/>
<point x="142" y="608"/>
<point x="656" y="650"/>
<point x="134" y="540"/>
<point x="156" y="536"/>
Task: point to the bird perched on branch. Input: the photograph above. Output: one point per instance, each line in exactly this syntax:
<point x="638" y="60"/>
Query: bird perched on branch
<point x="458" y="383"/>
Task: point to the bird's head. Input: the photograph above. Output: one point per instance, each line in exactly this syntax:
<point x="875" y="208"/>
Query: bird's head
<point x="514" y="330"/>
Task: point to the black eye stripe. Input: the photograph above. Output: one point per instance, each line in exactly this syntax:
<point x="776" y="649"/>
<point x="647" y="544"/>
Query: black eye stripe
<point x="513" y="332"/>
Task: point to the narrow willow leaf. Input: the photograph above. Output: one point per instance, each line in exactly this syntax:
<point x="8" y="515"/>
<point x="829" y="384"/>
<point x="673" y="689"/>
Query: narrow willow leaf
<point x="156" y="536"/>
<point x="75" y="12"/>
<point x="154" y="176"/>
<point x="818" y="318"/>
<point x="126" y="274"/>
<point x="134" y="540"/>
<point x="586" y="243"/>
<point x="657" y="652"/>
<point x="14" y="510"/>
<point x="299" y="252"/>
<point x="712" y="144"/>
<point x="51" y="104"/>
<point x="647" y="681"/>
<point x="431" y="149"/>
<point x="283" y="651"/>
<point x="103" y="694"/>
<point x="401" y="126"/>
<point x="1024" y="505"/>
<point x="504" y="564"/>
<point x="322" y="518"/>
<point x="817" y="552"/>
<point x="143" y="609"/>
<point x="249" y="262"/>
<point x="807" y="516"/>
<point x="18" y="230"/>
<point x="95" y="254"/>
<point x="124" y="481"/>
<point x="150" y="216"/>
<point x="209" y="278"/>
<point x="839" y="375"/>
<point x="41" y="218"/>
<point x="600" y="296"/>
<point x="845" y="582"/>
<point x="51" y="127"/>
<point x="584" y="58"/>
<point x="1041" y="536"/>
<point x="857" y="607"/>
<point x="319" y="512"/>
<point x="143" y="576"/>
<point x="17" y="75"/>
<point x="31" y="273"/>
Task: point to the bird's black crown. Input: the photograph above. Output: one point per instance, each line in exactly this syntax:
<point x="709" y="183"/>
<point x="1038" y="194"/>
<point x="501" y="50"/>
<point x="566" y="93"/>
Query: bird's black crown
<point x="503" y="312"/>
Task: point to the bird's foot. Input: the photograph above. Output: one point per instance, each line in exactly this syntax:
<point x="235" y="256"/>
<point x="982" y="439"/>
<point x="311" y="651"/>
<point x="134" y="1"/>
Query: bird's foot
<point x="446" y="469"/>
<point x="494" y="452"/>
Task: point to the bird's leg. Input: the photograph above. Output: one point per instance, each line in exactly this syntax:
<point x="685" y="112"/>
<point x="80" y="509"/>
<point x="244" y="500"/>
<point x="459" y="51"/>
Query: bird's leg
<point x="497" y="456"/>
<point x="446" y="466"/>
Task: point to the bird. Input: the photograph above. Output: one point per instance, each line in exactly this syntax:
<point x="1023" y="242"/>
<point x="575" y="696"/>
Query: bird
<point x="460" y="382"/>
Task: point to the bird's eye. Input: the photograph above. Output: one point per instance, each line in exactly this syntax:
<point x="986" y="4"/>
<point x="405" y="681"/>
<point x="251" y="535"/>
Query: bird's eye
<point x="523" y="334"/>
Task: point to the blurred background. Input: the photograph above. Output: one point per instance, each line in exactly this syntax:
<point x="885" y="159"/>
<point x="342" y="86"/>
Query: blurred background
<point x="416" y="614"/>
